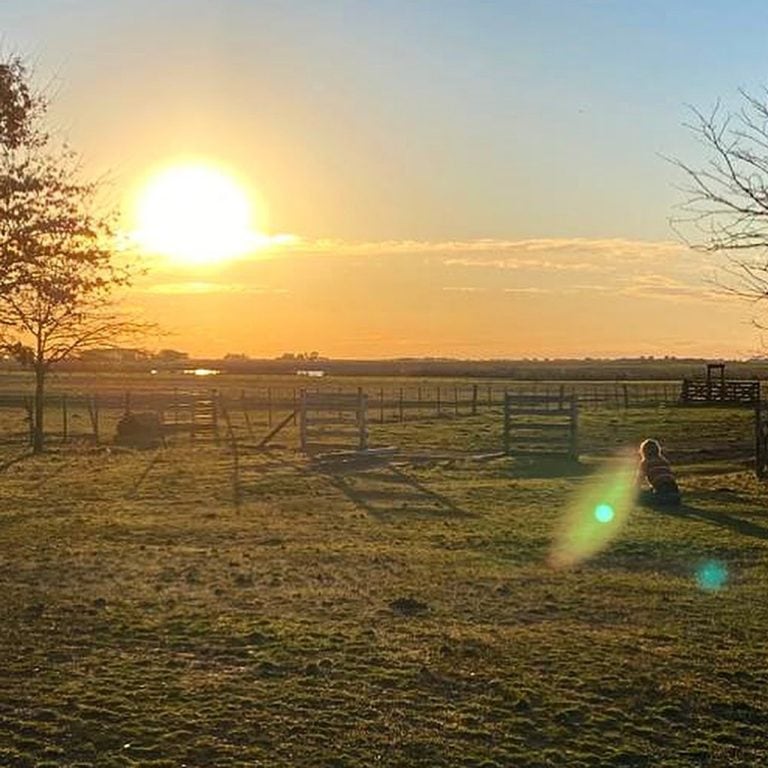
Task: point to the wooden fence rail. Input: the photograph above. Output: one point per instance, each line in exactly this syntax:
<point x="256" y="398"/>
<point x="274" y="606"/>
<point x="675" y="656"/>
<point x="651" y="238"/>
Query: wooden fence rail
<point x="720" y="391"/>
<point x="536" y="425"/>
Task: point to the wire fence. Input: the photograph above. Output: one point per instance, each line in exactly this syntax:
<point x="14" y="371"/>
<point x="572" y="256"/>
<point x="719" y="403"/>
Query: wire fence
<point x="71" y="416"/>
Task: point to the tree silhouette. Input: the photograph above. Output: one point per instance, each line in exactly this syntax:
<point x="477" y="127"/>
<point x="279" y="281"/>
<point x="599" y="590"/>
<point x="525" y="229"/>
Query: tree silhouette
<point x="58" y="264"/>
<point x="726" y="206"/>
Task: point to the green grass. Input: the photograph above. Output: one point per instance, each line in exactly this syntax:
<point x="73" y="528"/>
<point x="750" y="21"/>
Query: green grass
<point x="156" y="613"/>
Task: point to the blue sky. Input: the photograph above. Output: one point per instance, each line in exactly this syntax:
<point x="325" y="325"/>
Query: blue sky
<point x="410" y="120"/>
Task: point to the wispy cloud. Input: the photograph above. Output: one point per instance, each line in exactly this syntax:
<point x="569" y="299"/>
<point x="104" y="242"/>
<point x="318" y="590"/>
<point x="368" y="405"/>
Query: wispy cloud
<point x="463" y="288"/>
<point x="199" y="287"/>
<point x="670" y="289"/>
<point x="612" y="247"/>
<point x="529" y="289"/>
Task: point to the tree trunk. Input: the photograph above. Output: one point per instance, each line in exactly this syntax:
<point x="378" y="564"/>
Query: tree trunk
<point x="38" y="435"/>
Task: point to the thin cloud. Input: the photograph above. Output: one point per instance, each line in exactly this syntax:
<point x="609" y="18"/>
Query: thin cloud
<point x="199" y="287"/>
<point x="529" y="289"/>
<point x="463" y="288"/>
<point x="609" y="246"/>
<point x="667" y="288"/>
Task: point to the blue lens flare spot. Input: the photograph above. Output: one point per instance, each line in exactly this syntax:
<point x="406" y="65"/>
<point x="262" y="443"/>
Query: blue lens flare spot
<point x="712" y="576"/>
<point x="604" y="513"/>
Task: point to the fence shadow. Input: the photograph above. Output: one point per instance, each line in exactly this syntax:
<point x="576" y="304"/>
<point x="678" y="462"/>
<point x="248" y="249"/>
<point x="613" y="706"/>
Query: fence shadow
<point x="8" y="463"/>
<point x="386" y="491"/>
<point x="546" y="467"/>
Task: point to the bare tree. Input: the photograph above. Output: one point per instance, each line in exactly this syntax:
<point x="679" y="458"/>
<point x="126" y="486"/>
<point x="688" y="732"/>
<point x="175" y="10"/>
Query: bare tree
<point x="726" y="207"/>
<point x="58" y="265"/>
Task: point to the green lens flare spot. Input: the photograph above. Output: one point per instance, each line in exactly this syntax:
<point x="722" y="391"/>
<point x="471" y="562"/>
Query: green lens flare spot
<point x="712" y="576"/>
<point x="604" y="513"/>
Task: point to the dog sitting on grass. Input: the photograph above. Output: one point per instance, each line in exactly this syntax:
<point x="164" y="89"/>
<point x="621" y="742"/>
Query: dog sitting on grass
<point x="655" y="470"/>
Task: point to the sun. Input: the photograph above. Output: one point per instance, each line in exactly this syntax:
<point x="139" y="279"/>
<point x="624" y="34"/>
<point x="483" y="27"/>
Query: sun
<point x="195" y="214"/>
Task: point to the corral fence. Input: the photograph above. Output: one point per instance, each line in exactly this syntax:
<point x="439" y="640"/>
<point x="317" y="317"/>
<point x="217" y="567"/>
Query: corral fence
<point x="78" y="415"/>
<point x="333" y="422"/>
<point x="254" y="412"/>
<point x="745" y="392"/>
<point x="539" y="425"/>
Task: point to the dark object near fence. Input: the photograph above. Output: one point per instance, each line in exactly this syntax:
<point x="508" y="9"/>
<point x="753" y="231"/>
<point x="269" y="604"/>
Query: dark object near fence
<point x="139" y="430"/>
<point x="715" y="388"/>
<point x="541" y="425"/>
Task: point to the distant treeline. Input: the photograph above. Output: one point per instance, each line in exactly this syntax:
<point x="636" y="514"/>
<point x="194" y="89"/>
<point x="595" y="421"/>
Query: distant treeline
<point x="532" y="370"/>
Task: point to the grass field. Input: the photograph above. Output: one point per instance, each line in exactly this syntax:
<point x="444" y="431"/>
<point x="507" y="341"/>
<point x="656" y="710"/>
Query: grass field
<point x="158" y="611"/>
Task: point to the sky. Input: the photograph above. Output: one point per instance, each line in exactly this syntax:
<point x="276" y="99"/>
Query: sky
<point x="460" y="178"/>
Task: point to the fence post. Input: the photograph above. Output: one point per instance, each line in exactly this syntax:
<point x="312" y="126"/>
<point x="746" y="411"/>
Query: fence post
<point x="303" y="421"/>
<point x="93" y="412"/>
<point x="574" y="432"/>
<point x="64" y="419"/>
<point x="244" y="406"/>
<point x="362" y="418"/>
<point x="400" y="405"/>
<point x="127" y="402"/>
<point x="295" y="408"/>
<point x="760" y="442"/>
<point x="474" y="399"/>
<point x="381" y="405"/>
<point x="269" y="407"/>
<point x="438" y="401"/>
<point x="506" y="439"/>
<point x="217" y="402"/>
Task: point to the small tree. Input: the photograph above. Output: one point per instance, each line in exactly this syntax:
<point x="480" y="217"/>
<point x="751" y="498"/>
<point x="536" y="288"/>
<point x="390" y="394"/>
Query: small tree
<point x="726" y="209"/>
<point x="58" y="269"/>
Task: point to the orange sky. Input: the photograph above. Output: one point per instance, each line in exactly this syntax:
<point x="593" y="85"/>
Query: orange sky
<point x="473" y="299"/>
<point x="483" y="181"/>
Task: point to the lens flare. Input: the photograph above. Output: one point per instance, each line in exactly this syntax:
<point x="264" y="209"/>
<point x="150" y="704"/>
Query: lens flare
<point x="712" y="576"/>
<point x="604" y="513"/>
<point x="596" y="515"/>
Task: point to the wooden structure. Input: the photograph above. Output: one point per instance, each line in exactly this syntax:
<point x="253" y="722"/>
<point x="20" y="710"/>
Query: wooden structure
<point x="193" y="412"/>
<point x="333" y="422"/>
<point x="541" y="425"/>
<point x="715" y="389"/>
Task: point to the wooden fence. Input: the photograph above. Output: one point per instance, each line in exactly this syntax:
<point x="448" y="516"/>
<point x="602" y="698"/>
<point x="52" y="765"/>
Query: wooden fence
<point x="256" y="411"/>
<point x="331" y="422"/>
<point x="720" y="392"/>
<point x="536" y="425"/>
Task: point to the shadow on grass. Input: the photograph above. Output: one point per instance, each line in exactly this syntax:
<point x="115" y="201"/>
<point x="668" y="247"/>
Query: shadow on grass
<point x="387" y="491"/>
<point x="547" y="467"/>
<point x="136" y="487"/>
<point x="15" y="460"/>
<point x="720" y="519"/>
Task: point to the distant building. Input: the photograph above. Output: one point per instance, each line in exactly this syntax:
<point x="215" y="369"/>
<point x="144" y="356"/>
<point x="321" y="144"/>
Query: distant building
<point x="171" y="355"/>
<point x="114" y="355"/>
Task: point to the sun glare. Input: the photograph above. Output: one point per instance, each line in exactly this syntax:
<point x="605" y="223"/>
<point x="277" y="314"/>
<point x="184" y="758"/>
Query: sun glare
<point x="196" y="214"/>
